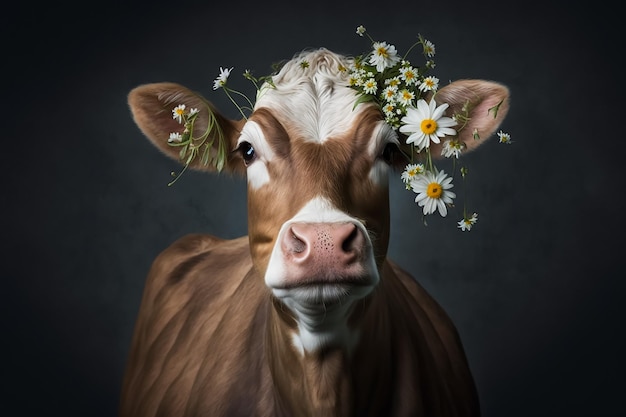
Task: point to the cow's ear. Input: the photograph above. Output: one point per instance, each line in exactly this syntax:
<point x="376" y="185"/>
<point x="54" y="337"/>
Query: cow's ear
<point x="479" y="107"/>
<point x="152" y="107"/>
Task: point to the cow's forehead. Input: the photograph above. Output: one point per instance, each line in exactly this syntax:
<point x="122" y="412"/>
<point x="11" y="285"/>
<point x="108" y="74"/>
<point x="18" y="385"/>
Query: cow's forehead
<point x="310" y="96"/>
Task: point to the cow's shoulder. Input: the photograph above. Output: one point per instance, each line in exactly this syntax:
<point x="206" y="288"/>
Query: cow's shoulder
<point x="195" y="254"/>
<point x="200" y="296"/>
<point x="422" y="326"/>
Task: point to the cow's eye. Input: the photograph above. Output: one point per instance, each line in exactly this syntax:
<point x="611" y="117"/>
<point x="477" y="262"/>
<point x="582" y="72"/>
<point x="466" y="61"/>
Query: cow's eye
<point x="390" y="153"/>
<point x="247" y="152"/>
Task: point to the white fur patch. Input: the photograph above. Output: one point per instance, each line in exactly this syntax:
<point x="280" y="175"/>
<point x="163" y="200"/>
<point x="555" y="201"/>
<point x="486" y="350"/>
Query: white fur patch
<point x="316" y="101"/>
<point x="257" y="172"/>
<point x="381" y="136"/>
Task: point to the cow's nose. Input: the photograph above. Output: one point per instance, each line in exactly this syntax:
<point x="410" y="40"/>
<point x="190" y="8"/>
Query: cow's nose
<point x="326" y="245"/>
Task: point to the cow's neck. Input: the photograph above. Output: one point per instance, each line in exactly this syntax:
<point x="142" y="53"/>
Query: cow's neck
<point x="308" y="384"/>
<point x="319" y="383"/>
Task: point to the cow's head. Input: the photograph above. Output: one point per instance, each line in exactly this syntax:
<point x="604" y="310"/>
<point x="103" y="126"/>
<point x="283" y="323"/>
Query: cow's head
<point x="317" y="168"/>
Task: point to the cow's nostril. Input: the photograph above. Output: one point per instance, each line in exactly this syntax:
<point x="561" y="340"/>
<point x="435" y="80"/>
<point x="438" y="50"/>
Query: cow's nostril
<point x="350" y="243"/>
<point x="297" y="245"/>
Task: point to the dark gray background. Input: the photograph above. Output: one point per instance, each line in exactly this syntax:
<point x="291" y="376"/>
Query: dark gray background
<point x="535" y="289"/>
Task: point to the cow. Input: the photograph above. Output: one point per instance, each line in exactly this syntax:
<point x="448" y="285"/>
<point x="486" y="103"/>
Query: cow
<point x="306" y="315"/>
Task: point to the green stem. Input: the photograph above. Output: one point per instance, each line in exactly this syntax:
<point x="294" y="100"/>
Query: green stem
<point x="235" y="103"/>
<point x="178" y="176"/>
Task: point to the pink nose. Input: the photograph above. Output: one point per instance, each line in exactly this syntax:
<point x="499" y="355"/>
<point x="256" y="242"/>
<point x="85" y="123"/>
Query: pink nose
<point x="323" y="251"/>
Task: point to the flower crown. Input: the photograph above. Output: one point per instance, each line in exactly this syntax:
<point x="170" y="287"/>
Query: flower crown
<point x="400" y="90"/>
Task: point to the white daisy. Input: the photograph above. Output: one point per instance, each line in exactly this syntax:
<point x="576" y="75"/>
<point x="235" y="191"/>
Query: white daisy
<point x="221" y="79"/>
<point x="409" y="75"/>
<point x="426" y="122"/>
<point x="389" y="93"/>
<point x="384" y="56"/>
<point x="452" y="147"/>
<point x="175" y="137"/>
<point x="429" y="48"/>
<point x="354" y="80"/>
<point x="405" y="97"/>
<point x="410" y="172"/>
<point x="389" y="109"/>
<point x="504" y="137"/>
<point x="370" y="86"/>
<point x="178" y="113"/>
<point x="467" y="223"/>
<point x="433" y="192"/>
<point x="360" y="30"/>
<point x="429" y="84"/>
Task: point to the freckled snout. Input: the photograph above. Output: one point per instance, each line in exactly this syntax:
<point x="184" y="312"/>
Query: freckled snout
<point x="323" y="252"/>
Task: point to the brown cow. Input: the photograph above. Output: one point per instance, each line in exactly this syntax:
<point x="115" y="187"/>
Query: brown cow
<point x="305" y="316"/>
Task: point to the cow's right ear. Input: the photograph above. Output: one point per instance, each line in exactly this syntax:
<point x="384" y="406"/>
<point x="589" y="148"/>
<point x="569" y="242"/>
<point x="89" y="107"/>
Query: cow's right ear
<point x="152" y="107"/>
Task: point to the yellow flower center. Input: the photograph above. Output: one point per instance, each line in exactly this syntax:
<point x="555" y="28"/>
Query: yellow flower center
<point x="180" y="112"/>
<point x="382" y="51"/>
<point x="429" y="126"/>
<point x="434" y="190"/>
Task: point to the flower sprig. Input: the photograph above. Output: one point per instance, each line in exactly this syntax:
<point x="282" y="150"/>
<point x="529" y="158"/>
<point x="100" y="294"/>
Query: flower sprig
<point x="191" y="146"/>
<point x="401" y="90"/>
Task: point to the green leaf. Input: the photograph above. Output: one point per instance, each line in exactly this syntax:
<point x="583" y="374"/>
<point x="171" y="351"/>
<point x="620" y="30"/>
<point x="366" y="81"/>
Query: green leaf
<point x="221" y="156"/>
<point x="364" y="98"/>
<point x="205" y="155"/>
<point x="495" y="109"/>
<point x="183" y="151"/>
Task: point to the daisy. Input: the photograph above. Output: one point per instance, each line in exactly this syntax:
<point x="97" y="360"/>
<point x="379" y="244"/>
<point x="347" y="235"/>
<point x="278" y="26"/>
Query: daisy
<point x="393" y="82"/>
<point x="175" y="137"/>
<point x="370" y="86"/>
<point x="389" y="93"/>
<point x="429" y="48"/>
<point x="504" y="137"/>
<point x="389" y="109"/>
<point x="452" y="147"/>
<point x="360" y="30"/>
<point x="426" y="122"/>
<point x="429" y="84"/>
<point x="405" y="97"/>
<point x="178" y="112"/>
<point x="354" y="80"/>
<point x="220" y="81"/>
<point x="193" y="111"/>
<point x="384" y="56"/>
<point x="409" y="75"/>
<point x="467" y="223"/>
<point x="433" y="192"/>
<point x="410" y="172"/>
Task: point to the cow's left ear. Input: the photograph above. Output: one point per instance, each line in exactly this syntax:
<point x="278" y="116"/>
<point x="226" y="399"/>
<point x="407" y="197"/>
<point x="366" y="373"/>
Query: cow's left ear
<point x="479" y="106"/>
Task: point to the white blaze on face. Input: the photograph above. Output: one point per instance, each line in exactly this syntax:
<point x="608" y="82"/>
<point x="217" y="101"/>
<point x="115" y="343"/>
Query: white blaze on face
<point x="314" y="103"/>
